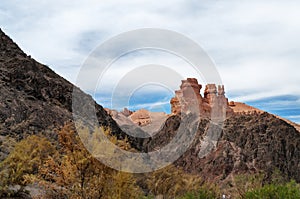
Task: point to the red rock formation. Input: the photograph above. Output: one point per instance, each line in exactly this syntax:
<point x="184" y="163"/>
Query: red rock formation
<point x="141" y="117"/>
<point x="213" y="104"/>
<point x="187" y="96"/>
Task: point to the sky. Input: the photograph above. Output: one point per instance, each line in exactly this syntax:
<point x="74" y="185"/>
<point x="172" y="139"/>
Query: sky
<point x="254" y="44"/>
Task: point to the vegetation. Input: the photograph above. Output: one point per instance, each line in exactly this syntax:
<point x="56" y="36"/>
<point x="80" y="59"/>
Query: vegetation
<point x="23" y="162"/>
<point x="76" y="174"/>
<point x="246" y="182"/>
<point x="205" y="192"/>
<point x="68" y="170"/>
<point x="288" y="190"/>
<point x="171" y="182"/>
<point x="65" y="171"/>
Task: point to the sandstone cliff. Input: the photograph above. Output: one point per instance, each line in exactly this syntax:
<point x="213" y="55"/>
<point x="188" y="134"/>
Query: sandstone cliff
<point x="213" y="104"/>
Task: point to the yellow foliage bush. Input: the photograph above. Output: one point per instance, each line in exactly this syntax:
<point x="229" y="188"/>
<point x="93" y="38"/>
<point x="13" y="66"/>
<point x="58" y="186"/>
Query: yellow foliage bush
<point x="24" y="160"/>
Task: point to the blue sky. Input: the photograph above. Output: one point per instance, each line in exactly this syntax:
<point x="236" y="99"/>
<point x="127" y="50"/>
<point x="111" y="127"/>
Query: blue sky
<point x="254" y="44"/>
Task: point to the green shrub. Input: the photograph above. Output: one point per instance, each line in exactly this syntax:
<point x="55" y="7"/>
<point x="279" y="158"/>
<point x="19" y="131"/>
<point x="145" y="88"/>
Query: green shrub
<point x="290" y="190"/>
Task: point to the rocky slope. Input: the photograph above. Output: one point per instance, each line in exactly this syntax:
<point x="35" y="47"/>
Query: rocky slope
<point x="243" y="108"/>
<point x="34" y="99"/>
<point x="248" y="143"/>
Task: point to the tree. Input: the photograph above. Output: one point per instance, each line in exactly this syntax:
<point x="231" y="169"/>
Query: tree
<point x="77" y="174"/>
<point x="24" y="161"/>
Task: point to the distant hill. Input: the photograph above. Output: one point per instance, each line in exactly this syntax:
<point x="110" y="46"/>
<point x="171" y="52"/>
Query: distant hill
<point x="244" y="108"/>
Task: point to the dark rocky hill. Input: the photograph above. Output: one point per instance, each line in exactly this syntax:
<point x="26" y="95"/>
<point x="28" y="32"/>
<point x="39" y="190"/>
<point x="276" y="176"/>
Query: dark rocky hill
<point x="34" y="99"/>
<point x="249" y="143"/>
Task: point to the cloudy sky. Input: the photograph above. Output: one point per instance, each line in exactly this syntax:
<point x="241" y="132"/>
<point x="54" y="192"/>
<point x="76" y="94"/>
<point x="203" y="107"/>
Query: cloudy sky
<point x="254" y="44"/>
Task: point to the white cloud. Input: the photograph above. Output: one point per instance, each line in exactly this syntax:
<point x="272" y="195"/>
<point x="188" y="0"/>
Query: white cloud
<point x="294" y="117"/>
<point x="255" y="44"/>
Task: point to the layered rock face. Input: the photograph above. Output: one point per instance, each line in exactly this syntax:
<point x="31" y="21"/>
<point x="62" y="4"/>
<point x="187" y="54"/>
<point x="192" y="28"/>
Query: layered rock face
<point x="214" y="104"/>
